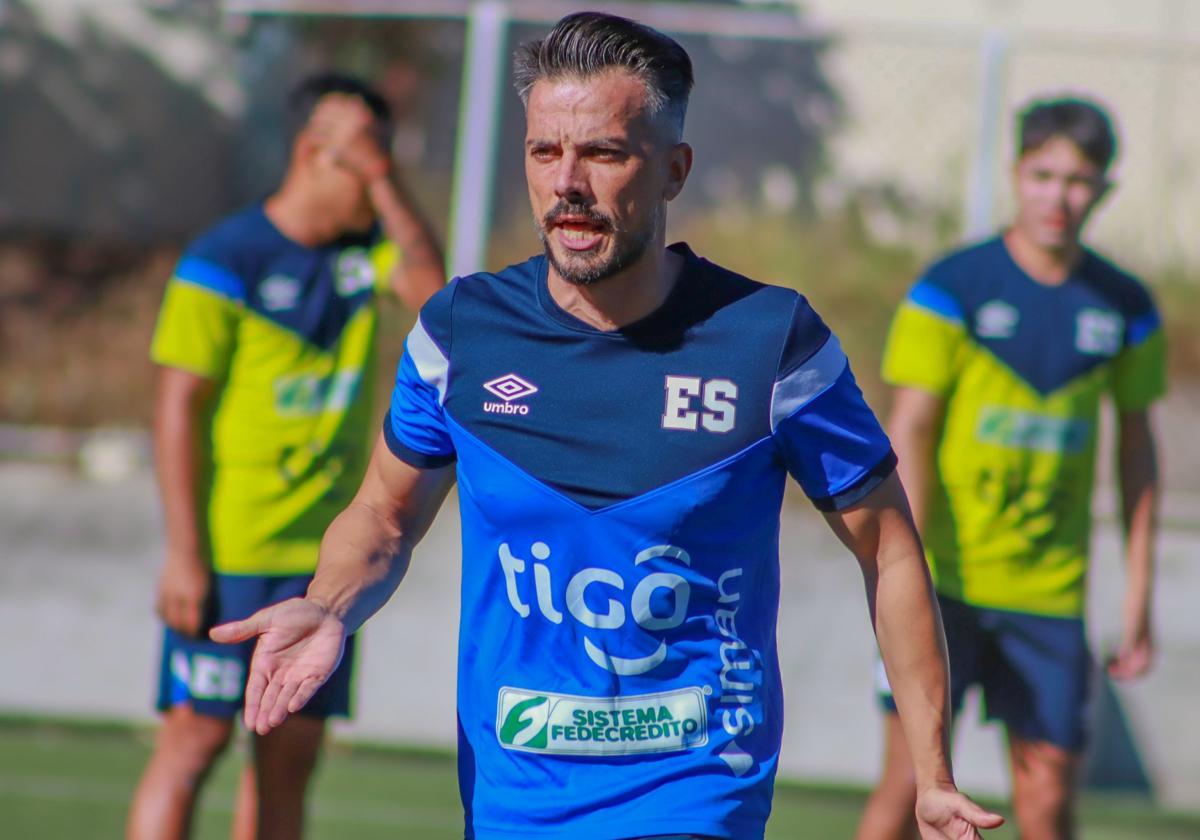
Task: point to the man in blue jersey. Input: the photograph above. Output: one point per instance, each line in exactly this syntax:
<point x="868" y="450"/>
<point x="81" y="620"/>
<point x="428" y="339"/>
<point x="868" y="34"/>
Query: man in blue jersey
<point x="621" y="418"/>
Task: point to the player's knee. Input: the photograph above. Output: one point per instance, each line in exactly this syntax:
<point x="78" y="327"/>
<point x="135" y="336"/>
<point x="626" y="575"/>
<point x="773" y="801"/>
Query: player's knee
<point x="1045" y="802"/>
<point x="190" y="743"/>
<point x="286" y="757"/>
<point x="898" y="784"/>
<point x="897" y="796"/>
<point x="890" y="813"/>
<point x="894" y="800"/>
<point x="1045" y="810"/>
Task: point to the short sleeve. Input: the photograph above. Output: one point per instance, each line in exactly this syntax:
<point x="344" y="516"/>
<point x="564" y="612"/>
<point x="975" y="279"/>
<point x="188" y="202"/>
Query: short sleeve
<point x="415" y="428"/>
<point x="828" y="436"/>
<point x="927" y="339"/>
<point x="385" y="257"/>
<point x="198" y="321"/>
<point x="1139" y="370"/>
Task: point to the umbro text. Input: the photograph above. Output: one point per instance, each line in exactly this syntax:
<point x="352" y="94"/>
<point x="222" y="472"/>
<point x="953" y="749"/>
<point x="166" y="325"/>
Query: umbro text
<point x="505" y="408"/>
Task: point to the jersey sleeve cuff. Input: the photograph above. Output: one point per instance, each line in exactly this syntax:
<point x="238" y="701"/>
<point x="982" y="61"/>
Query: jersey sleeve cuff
<point x="861" y="488"/>
<point x="1142" y="402"/>
<point x="935" y="389"/>
<point x="410" y="456"/>
<point x="201" y="369"/>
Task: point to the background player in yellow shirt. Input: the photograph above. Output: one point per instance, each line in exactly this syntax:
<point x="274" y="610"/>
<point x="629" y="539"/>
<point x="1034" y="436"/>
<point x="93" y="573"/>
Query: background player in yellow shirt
<point x="1000" y="356"/>
<point x="263" y="418"/>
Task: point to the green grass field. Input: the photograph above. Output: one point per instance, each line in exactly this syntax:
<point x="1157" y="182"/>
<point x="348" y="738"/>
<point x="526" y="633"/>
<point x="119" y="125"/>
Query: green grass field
<point x="66" y="780"/>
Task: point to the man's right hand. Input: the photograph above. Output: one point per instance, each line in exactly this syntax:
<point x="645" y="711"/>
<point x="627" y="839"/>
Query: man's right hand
<point x="300" y="643"/>
<point x="184" y="586"/>
<point x="351" y="136"/>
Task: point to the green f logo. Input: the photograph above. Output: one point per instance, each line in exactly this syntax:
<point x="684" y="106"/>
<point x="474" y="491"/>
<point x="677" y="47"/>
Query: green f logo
<point x="525" y="724"/>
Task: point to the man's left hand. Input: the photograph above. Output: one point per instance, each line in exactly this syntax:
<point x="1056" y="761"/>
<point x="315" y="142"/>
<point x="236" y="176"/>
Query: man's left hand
<point x="945" y="814"/>
<point x="1136" y="653"/>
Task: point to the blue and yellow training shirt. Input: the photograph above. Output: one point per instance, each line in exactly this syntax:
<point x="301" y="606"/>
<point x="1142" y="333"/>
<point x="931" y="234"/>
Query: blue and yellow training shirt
<point x="288" y="332"/>
<point x="1022" y="367"/>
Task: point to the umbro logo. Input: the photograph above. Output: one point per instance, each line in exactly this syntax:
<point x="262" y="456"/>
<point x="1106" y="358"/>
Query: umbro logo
<point x="279" y="292"/>
<point x="996" y="319"/>
<point x="509" y="387"/>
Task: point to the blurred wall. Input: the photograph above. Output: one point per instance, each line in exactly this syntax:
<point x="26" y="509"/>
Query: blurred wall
<point x="910" y="75"/>
<point x="112" y="112"/>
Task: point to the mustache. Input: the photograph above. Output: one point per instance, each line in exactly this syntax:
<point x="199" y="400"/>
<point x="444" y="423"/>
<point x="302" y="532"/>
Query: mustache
<point x="579" y="211"/>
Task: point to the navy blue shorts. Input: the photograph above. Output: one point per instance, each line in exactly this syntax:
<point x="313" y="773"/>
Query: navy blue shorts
<point x="211" y="678"/>
<point x="1034" y="670"/>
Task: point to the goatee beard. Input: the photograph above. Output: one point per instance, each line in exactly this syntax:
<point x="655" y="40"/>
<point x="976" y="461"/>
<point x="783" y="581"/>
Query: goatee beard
<point x="589" y="272"/>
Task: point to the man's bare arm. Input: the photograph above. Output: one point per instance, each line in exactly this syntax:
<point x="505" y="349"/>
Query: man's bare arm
<point x="1138" y="464"/>
<point x="421" y="269"/>
<point x="914" y="427"/>
<point x="880" y="532"/>
<point x="185" y="579"/>
<point x="366" y="550"/>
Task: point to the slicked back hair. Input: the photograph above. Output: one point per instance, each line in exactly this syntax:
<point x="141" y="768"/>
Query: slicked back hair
<point x="1084" y="123"/>
<point x="303" y="99"/>
<point x="590" y="43"/>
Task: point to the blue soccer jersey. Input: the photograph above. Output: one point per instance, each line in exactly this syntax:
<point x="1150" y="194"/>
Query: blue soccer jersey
<point x="620" y="495"/>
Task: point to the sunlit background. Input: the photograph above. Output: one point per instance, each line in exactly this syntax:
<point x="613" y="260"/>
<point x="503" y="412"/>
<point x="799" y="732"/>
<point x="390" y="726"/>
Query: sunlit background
<point x="840" y="145"/>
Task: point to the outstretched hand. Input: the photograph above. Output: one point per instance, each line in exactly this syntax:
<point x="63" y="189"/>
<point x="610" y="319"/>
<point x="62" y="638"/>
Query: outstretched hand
<point x="945" y="814"/>
<point x="300" y="644"/>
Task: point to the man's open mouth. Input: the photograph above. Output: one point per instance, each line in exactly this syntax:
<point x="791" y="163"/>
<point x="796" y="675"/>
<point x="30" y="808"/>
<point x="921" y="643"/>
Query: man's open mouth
<point x="579" y="234"/>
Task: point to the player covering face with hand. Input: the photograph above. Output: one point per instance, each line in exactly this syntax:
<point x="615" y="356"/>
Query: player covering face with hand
<point x="265" y="344"/>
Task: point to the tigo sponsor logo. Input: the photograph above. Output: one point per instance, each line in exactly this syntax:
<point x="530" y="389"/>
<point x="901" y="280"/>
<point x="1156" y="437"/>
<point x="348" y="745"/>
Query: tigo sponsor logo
<point x="653" y="588"/>
<point x="1015" y="429"/>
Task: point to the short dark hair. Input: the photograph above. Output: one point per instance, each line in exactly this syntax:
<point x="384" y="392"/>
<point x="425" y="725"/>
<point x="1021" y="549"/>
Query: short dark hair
<point x="1084" y="123"/>
<point x="304" y="97"/>
<point x="588" y="43"/>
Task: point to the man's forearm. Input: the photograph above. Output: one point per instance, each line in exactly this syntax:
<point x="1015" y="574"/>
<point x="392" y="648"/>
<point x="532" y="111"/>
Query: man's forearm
<point x="911" y="642"/>
<point x="1142" y="502"/>
<point x="907" y="623"/>
<point x="422" y="267"/>
<point x="1138" y="466"/>
<point x="914" y="427"/>
<point x="914" y="453"/>
<point x="364" y="556"/>
<point x="177" y="467"/>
